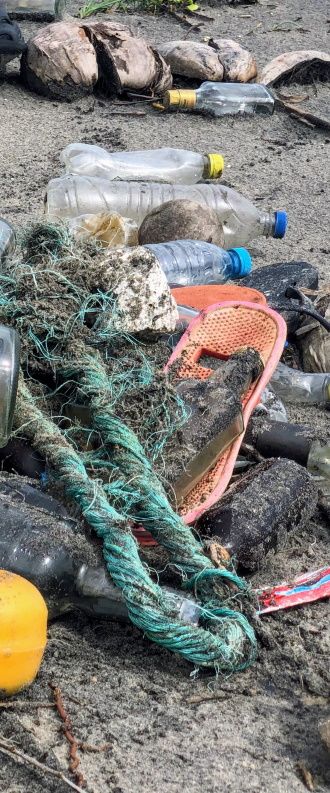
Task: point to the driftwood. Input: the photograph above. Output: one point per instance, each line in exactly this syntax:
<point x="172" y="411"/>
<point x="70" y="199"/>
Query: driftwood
<point x="126" y="62"/>
<point x="239" y="65"/>
<point x="297" y="65"/>
<point x="60" y="62"/>
<point x="192" y="59"/>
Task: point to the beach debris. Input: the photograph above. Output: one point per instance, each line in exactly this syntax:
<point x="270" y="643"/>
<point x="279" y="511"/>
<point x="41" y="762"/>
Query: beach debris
<point x="23" y="632"/>
<point x="314" y="340"/>
<point x="221" y="99"/>
<point x="215" y="418"/>
<point x="109" y="229"/>
<point x="181" y="219"/>
<point x="139" y="287"/>
<point x="60" y="62"/>
<point x="239" y="64"/>
<point x="296" y="66"/>
<point x="257" y="512"/>
<point x="273" y="281"/>
<point x="169" y="165"/>
<point x="12" y="43"/>
<point x="301" y="388"/>
<point x="126" y="62"/>
<point x="192" y="59"/>
<point x="188" y="262"/>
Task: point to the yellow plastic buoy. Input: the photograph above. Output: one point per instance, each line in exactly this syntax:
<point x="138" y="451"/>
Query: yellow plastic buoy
<point x="23" y="632"/>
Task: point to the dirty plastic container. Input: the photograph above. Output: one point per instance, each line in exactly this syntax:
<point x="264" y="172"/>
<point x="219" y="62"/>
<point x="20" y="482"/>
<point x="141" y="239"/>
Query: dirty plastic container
<point x="73" y="195"/>
<point x="295" y="386"/>
<point x="318" y="464"/>
<point x="222" y="99"/>
<point x="174" y="166"/>
<point x="7" y="239"/>
<point x="189" y="262"/>
<point x="35" y="9"/>
<point x="39" y="540"/>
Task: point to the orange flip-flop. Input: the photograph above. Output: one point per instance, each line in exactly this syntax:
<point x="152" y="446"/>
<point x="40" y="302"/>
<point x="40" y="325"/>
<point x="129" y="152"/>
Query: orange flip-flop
<point x="202" y="296"/>
<point x="219" y="331"/>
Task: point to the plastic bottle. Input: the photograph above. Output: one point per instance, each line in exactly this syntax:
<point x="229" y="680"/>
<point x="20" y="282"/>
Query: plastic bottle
<point x="39" y="541"/>
<point x="174" y="166"/>
<point x="318" y="464"/>
<point x="271" y="406"/>
<point x="7" y="239"/>
<point x="295" y="386"/>
<point x="72" y="195"/>
<point x="189" y="262"/>
<point x="223" y="99"/>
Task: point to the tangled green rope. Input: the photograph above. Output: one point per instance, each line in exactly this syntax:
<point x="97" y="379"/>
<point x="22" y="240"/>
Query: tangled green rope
<point x="231" y="648"/>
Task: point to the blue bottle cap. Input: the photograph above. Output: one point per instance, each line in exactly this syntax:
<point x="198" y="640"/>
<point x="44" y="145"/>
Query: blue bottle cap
<point x="280" y="225"/>
<point x="242" y="262"/>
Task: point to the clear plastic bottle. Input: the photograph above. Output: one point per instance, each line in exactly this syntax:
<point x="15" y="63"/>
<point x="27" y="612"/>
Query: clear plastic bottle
<point x="295" y="386"/>
<point x="174" y="166"/>
<point x="7" y="239"/>
<point x="190" y="262"/>
<point x="318" y="464"/>
<point x="73" y="195"/>
<point x="271" y="406"/>
<point x="223" y="99"/>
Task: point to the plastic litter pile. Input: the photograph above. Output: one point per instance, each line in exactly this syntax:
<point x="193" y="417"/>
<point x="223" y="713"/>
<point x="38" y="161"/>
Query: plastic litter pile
<point x="145" y="370"/>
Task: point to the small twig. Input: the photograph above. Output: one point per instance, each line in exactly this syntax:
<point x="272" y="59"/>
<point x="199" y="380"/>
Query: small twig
<point x="11" y="751"/>
<point x="132" y="113"/>
<point x="305" y="116"/>
<point x="25" y="703"/>
<point x="67" y="729"/>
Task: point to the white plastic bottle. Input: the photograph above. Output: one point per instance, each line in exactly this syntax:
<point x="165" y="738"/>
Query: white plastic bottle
<point x="174" y="166"/>
<point x="73" y="195"/>
<point x="222" y="99"/>
<point x="189" y="262"/>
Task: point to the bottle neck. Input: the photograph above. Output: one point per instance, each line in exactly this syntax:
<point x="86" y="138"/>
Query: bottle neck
<point x="267" y="223"/>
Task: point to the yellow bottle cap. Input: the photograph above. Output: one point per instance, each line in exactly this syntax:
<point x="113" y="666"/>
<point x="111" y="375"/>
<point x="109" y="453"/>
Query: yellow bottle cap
<point x="215" y="166"/>
<point x="177" y="98"/>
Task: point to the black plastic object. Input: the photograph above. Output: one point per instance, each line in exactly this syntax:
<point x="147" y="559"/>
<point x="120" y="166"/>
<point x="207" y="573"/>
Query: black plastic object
<point x="274" y="280"/>
<point x="11" y="39"/>
<point x="280" y="439"/>
<point x="274" y="498"/>
<point x="17" y="456"/>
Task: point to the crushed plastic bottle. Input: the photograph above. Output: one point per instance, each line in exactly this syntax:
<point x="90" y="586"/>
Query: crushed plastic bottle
<point x="73" y="195"/>
<point x="295" y="386"/>
<point x="222" y="99"/>
<point x="189" y="262"/>
<point x="7" y="239"/>
<point x="110" y="230"/>
<point x="174" y="166"/>
<point x="39" y="541"/>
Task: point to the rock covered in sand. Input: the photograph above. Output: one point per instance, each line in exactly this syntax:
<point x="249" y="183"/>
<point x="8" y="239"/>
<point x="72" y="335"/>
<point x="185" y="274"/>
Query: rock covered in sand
<point x="144" y="303"/>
